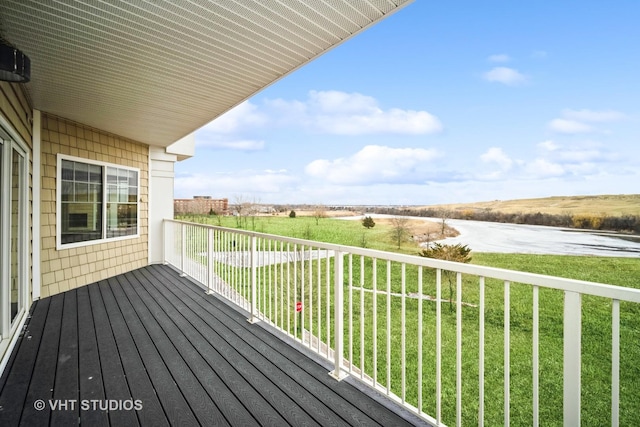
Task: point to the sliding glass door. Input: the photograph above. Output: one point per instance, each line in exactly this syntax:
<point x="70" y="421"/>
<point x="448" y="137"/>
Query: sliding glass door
<point x="13" y="235"/>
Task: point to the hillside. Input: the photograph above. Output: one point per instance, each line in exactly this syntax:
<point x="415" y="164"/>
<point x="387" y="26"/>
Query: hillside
<point x="610" y="205"/>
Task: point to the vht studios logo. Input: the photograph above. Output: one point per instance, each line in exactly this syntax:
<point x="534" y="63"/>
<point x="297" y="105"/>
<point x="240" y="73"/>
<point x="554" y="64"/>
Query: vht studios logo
<point x="88" y="405"/>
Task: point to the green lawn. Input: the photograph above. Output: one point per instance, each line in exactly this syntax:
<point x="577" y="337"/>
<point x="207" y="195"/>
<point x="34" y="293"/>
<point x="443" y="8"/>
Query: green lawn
<point x="596" y="338"/>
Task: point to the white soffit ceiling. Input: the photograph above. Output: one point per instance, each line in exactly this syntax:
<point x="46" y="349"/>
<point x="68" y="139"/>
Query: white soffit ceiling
<point x="156" y="70"/>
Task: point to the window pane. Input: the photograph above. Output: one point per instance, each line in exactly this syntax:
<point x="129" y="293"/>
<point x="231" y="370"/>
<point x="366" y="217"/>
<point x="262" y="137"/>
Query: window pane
<point x="133" y="194"/>
<point x="82" y="192"/>
<point x="81" y="172"/>
<point x="112" y="193"/>
<point x="67" y="170"/>
<point x="67" y="191"/>
<point x="122" y="219"/>
<point x="112" y="175"/>
<point x="95" y="173"/>
<point x="123" y="193"/>
<point x="81" y="222"/>
<point x="133" y="178"/>
<point x="81" y="202"/>
<point x="95" y="193"/>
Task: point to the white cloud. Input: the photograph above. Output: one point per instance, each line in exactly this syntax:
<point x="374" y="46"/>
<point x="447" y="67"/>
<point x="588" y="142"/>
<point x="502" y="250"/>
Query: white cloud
<point x="262" y="183"/>
<point x="375" y="164"/>
<point x="238" y="145"/>
<point x="548" y="145"/>
<point x="569" y="126"/>
<point x="542" y="168"/>
<point x="334" y="101"/>
<point x="242" y="116"/>
<point x="496" y="155"/>
<point x="505" y="75"/>
<point x="342" y="113"/>
<point x="578" y="121"/>
<point x="499" y="58"/>
<point x="593" y="116"/>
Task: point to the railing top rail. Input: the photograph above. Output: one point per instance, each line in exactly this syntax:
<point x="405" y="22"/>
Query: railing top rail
<point x="579" y="286"/>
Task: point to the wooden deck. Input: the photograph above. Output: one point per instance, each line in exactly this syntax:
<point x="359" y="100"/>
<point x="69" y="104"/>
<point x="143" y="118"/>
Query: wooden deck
<point x="150" y="348"/>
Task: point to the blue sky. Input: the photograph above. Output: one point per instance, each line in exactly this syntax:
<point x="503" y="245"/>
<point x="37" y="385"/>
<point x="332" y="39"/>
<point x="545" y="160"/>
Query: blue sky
<point x="443" y="102"/>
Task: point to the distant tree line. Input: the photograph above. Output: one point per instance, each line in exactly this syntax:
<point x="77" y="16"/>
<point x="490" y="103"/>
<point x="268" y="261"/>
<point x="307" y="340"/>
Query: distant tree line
<point x="623" y="223"/>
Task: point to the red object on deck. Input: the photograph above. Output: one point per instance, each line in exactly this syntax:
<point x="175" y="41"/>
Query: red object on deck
<point x="299" y="306"/>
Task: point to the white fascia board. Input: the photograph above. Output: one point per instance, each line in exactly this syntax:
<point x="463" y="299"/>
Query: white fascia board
<point x="184" y="147"/>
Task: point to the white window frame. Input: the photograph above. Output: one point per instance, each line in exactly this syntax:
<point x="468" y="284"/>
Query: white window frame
<point x="104" y="239"/>
<point x="11" y="140"/>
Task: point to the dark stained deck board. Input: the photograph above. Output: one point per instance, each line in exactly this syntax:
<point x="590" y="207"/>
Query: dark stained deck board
<point x="272" y="366"/>
<point x="90" y="371"/>
<point x="215" y="372"/>
<point x="136" y="375"/>
<point x="173" y="402"/>
<point x="272" y="406"/>
<point x="66" y="368"/>
<point x="349" y="403"/>
<point x="18" y="374"/>
<point x="202" y="406"/>
<point x="192" y="359"/>
<point x="113" y="376"/>
<point x="43" y="377"/>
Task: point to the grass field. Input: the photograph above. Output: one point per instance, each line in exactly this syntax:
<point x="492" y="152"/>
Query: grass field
<point x="596" y="339"/>
<point x="611" y="205"/>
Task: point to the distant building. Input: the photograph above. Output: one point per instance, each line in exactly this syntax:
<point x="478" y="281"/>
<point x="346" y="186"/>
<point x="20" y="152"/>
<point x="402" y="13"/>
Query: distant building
<point x="200" y="205"/>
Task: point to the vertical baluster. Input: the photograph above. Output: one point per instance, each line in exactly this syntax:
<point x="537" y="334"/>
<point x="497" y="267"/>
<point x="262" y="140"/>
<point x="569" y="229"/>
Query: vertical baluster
<point x="615" y="363"/>
<point x="328" y="297"/>
<point x="350" y="312"/>
<point x="403" y="326"/>
<point x="438" y="345"/>
<point x="375" y="322"/>
<point x="572" y="357"/>
<point x="536" y="359"/>
<point x="507" y="351"/>
<point x="319" y="308"/>
<point x="459" y="349"/>
<point x="388" y="327"/>
<point x="338" y="316"/>
<point x="254" y="297"/>
<point x="362" y="316"/>
<point x="481" y="356"/>
<point x="420" y="300"/>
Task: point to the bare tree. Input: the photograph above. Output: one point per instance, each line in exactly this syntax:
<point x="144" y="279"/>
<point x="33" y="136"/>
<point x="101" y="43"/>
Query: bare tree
<point x="253" y="208"/>
<point x="319" y="211"/>
<point x="444" y="216"/>
<point x="238" y="207"/>
<point x="399" y="230"/>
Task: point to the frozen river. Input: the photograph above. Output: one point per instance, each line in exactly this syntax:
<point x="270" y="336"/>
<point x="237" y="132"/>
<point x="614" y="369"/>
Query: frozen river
<point x="535" y="239"/>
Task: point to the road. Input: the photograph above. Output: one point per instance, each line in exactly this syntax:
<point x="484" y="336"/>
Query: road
<point x="534" y="239"/>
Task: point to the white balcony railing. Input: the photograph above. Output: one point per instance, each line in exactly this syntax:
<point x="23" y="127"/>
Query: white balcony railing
<point x="387" y="319"/>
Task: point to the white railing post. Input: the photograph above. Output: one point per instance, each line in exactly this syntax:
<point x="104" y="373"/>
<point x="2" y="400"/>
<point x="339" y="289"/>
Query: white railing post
<point x="183" y="249"/>
<point x="572" y="356"/>
<point x="210" y="265"/>
<point x="338" y="316"/>
<point x="165" y="240"/>
<point x="254" y="279"/>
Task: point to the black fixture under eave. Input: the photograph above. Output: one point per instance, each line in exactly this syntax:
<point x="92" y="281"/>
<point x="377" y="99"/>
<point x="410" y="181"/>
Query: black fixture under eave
<point x="15" y="66"/>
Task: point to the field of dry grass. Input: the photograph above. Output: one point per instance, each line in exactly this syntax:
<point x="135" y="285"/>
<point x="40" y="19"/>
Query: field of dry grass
<point x="610" y="205"/>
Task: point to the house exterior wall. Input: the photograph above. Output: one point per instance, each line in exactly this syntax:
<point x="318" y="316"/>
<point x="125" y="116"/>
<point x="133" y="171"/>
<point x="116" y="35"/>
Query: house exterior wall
<point x="66" y="269"/>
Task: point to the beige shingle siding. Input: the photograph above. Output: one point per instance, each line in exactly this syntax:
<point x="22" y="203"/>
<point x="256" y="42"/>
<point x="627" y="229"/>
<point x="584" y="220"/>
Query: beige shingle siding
<point x="70" y="268"/>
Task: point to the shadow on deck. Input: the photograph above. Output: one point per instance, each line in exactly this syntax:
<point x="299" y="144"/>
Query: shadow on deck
<point x="150" y="348"/>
